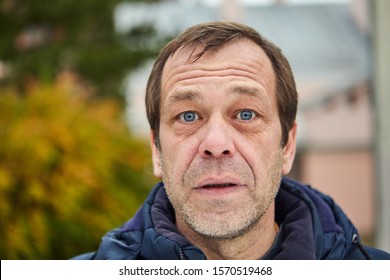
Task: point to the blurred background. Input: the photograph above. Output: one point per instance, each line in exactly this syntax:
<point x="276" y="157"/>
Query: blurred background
<point x="74" y="151"/>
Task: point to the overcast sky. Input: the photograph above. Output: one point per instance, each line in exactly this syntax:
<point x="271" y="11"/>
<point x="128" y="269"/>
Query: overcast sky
<point x="264" y="2"/>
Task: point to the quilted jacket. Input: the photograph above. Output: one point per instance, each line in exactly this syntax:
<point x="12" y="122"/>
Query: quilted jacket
<point x="311" y="225"/>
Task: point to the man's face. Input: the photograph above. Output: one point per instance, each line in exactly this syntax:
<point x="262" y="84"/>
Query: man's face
<point x="221" y="159"/>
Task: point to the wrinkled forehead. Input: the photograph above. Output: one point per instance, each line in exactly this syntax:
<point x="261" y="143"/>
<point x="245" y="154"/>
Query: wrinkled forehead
<point x="191" y="52"/>
<point x="243" y="55"/>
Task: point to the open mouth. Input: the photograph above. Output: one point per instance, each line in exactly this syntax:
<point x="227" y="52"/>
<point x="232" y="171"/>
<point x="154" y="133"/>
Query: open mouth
<point x="213" y="186"/>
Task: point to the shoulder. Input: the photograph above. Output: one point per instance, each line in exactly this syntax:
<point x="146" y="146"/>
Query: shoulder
<point x="125" y="242"/>
<point x="373" y="253"/>
<point x="85" y="256"/>
<point x="377" y="254"/>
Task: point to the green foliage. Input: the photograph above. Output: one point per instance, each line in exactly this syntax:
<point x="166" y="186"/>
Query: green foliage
<point x="69" y="168"/>
<point x="69" y="171"/>
<point x="41" y="38"/>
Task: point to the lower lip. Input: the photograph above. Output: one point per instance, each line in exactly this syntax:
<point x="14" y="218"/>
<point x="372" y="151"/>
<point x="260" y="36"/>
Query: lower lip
<point x="217" y="191"/>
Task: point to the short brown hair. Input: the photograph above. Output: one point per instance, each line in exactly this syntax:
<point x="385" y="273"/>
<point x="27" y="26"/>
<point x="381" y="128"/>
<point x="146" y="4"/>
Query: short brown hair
<point x="214" y="35"/>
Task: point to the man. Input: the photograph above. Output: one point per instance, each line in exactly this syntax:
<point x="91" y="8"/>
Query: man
<point x="221" y="102"/>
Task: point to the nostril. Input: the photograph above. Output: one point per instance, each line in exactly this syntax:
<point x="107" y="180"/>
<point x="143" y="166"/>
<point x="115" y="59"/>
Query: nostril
<point x="209" y="153"/>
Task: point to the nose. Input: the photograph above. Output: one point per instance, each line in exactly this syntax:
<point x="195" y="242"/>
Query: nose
<point x="217" y="140"/>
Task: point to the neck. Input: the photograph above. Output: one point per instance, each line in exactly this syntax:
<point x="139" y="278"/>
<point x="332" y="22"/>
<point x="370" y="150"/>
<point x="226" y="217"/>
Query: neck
<point x="249" y="246"/>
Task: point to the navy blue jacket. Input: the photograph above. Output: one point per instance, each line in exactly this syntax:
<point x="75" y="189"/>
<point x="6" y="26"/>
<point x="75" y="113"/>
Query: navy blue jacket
<point x="312" y="226"/>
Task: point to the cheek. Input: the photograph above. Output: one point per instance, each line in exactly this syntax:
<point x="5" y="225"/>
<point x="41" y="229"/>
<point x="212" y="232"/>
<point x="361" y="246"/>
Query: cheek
<point x="177" y="154"/>
<point x="260" y="152"/>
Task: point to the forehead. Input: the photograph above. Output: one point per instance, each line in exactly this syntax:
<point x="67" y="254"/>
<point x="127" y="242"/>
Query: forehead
<point x="240" y="58"/>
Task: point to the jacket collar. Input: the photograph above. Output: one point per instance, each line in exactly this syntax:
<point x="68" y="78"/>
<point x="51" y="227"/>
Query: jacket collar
<point x="312" y="227"/>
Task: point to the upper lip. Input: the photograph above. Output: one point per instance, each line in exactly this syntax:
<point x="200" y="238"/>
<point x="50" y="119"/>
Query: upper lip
<point x="218" y="182"/>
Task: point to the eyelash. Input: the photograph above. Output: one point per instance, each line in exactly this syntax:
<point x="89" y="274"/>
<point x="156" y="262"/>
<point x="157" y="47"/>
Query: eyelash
<point x="254" y="114"/>
<point x="196" y="116"/>
<point x="181" y="116"/>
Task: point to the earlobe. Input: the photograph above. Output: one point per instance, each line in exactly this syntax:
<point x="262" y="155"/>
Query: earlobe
<point x="289" y="150"/>
<point x="155" y="157"/>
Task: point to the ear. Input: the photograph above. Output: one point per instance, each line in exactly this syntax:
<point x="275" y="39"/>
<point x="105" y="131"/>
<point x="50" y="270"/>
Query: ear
<point x="155" y="156"/>
<point x="289" y="150"/>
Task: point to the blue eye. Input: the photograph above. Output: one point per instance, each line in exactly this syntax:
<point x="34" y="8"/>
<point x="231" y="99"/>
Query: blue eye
<point x="188" y="116"/>
<point x="246" y="115"/>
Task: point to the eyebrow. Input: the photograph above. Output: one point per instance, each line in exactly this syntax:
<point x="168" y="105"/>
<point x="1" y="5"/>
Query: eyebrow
<point x="247" y="90"/>
<point x="191" y="95"/>
<point x="188" y="95"/>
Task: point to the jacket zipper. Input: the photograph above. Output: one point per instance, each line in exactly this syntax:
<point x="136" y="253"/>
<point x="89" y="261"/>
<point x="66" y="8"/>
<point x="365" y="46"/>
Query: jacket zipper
<point x="355" y="241"/>
<point x="181" y="254"/>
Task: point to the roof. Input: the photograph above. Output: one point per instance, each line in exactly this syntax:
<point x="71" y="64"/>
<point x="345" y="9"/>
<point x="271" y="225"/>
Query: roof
<point x="328" y="53"/>
<point x="326" y="50"/>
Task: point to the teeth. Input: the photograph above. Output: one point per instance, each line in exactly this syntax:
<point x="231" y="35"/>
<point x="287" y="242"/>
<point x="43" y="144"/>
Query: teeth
<point x="219" y="185"/>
